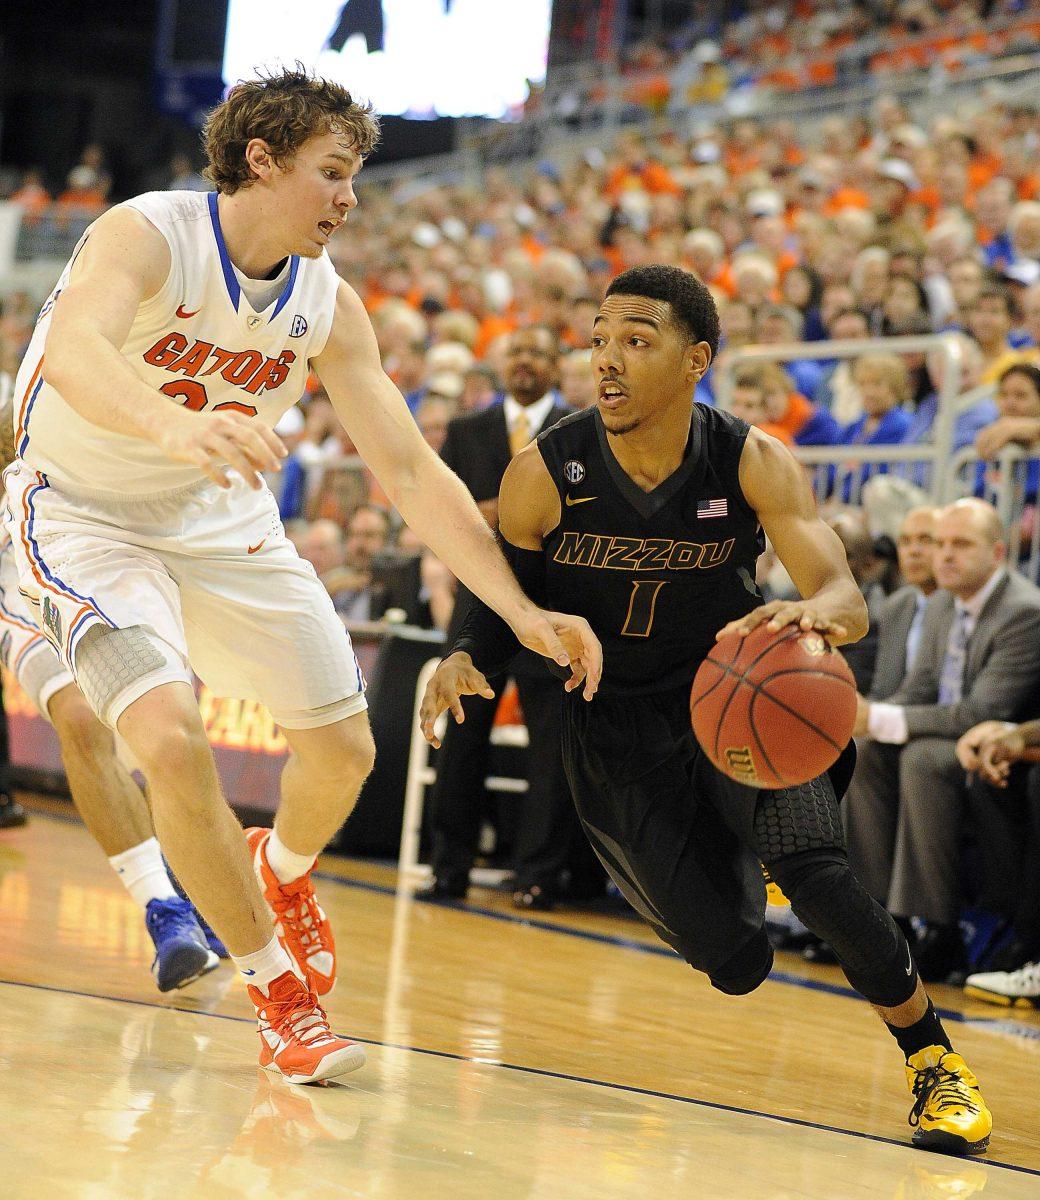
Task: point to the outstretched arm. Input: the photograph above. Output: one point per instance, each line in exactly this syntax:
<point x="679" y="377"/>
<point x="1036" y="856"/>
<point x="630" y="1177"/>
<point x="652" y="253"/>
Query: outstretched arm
<point x="774" y="486"/>
<point x="432" y="500"/>
<point x="529" y="507"/>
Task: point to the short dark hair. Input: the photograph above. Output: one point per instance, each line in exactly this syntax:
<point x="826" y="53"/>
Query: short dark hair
<point x="693" y="306"/>
<point x="996" y="292"/>
<point x="1029" y="370"/>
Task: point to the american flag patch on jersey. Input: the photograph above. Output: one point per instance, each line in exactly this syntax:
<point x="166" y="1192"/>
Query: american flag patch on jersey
<point x="713" y="508"/>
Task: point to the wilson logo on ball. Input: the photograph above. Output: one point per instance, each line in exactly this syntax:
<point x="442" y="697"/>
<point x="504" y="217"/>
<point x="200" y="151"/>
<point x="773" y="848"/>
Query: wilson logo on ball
<point x="740" y="763"/>
<point x="784" y="697"/>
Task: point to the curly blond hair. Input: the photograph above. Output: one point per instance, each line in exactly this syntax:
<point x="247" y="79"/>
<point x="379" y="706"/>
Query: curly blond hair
<point x="284" y="110"/>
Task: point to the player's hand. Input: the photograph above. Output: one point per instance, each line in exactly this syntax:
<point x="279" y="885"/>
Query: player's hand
<point x="969" y="743"/>
<point x="215" y="441"/>
<point x="568" y="641"/>
<point x="779" y="613"/>
<point x="454" y="678"/>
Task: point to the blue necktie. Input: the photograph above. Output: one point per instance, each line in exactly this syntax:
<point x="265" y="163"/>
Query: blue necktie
<point x="951" y="681"/>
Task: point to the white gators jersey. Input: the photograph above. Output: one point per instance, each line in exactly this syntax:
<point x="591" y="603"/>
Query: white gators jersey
<point x="198" y="341"/>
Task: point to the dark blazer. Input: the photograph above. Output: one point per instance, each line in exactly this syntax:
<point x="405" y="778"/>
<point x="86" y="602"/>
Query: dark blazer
<point x="477" y="446"/>
<point x="477" y="450"/>
<point x="893" y="626"/>
<point x="1002" y="672"/>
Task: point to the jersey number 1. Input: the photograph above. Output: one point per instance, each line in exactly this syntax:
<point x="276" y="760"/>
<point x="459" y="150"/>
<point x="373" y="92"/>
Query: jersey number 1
<point x="192" y="394"/>
<point x="640" y="619"/>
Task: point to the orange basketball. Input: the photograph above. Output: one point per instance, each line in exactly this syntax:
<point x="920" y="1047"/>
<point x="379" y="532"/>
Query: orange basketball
<point x="773" y="709"/>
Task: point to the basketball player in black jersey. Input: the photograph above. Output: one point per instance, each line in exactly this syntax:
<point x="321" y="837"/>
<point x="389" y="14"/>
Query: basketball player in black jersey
<point x="646" y="515"/>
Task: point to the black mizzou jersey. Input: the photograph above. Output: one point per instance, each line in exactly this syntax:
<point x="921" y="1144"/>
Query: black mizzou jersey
<point x="656" y="574"/>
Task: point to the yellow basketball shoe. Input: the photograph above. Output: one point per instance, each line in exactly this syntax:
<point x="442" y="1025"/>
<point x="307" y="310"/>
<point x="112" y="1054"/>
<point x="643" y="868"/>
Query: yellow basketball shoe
<point x="774" y="895"/>
<point x="949" y="1114"/>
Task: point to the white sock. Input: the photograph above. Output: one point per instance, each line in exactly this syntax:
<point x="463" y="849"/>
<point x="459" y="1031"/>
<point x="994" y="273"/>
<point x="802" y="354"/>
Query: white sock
<point x="262" y="967"/>
<point x="143" y="872"/>
<point x="286" y="863"/>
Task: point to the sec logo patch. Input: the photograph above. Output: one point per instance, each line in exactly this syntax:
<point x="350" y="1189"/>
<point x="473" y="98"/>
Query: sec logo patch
<point x="299" y="326"/>
<point x="573" y="471"/>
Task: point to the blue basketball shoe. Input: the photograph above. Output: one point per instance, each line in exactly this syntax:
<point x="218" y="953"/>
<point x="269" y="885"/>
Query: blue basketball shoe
<point x="181" y="953"/>
<point x="214" y="943"/>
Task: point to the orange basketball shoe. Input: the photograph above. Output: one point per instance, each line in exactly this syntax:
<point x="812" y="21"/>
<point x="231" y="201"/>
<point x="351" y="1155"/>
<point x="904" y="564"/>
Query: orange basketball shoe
<point x="299" y="921"/>
<point x="295" y="1038"/>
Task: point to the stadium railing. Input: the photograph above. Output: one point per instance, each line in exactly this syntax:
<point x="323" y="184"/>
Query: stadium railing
<point x="596" y="111"/>
<point x="843" y="470"/>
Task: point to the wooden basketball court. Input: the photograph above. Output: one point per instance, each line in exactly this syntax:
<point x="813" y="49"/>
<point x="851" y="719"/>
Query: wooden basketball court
<point x="562" y="1058"/>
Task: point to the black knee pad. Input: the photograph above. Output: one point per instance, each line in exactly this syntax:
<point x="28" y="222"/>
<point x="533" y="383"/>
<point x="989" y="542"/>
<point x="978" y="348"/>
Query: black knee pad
<point x="833" y="904"/>
<point x="748" y="968"/>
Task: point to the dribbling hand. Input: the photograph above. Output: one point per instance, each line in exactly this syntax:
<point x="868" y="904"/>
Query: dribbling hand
<point x="216" y="441"/>
<point x="779" y="613"/>
<point x="454" y="678"/>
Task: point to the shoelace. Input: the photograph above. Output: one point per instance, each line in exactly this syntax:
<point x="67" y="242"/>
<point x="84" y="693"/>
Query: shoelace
<point x="301" y="1017"/>
<point x="308" y="928"/>
<point x="174" y="915"/>
<point x="949" y="1089"/>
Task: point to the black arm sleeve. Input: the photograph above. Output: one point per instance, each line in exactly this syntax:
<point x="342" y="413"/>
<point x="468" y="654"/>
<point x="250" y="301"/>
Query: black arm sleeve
<point x="484" y="636"/>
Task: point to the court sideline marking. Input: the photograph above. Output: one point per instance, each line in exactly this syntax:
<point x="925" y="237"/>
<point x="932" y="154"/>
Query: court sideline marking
<point x="999" y="1025"/>
<point x="537" y="1071"/>
<point x="996" y="1025"/>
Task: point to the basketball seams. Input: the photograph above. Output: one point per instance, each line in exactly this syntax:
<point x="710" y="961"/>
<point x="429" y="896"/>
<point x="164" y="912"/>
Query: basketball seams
<point x="740" y="672"/>
<point x="755" y="734"/>
<point x="791" y="712"/>
<point x="781" y="640"/>
<point x="722" y="670"/>
<point x="813" y="671"/>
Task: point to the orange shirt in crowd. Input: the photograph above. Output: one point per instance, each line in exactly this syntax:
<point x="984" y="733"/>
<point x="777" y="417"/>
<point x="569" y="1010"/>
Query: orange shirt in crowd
<point x="775" y="430"/>
<point x="799" y="410"/>
<point x="846" y="197"/>
<point x="492" y="326"/>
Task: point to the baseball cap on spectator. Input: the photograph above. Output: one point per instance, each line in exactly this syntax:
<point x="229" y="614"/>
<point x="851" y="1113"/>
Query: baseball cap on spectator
<point x="707" y="51"/>
<point x="764" y="202"/>
<point x="447" y="384"/>
<point x="449" y="356"/>
<point x="454" y="229"/>
<point x="426" y="235"/>
<point x="901" y="172"/>
<point x="811" y="178"/>
<point x="706" y="152"/>
<point x="909" y="136"/>
<point x="1025" y="272"/>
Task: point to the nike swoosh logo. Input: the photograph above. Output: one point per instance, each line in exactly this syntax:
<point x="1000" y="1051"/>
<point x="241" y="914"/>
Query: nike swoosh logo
<point x="183" y="314"/>
<point x="253" y="549"/>
<point x="248" y="972"/>
<point x="571" y="500"/>
<point x="909" y="960"/>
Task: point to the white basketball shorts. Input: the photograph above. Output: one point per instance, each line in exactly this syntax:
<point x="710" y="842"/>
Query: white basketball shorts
<point x="208" y="571"/>
<point x="24" y="651"/>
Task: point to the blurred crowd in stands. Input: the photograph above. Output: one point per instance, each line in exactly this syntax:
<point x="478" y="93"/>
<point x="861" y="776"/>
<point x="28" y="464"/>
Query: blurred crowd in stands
<point x="873" y="225"/>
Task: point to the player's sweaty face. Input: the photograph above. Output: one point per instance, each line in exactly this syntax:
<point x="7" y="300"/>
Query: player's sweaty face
<point x="640" y="360"/>
<point x="316" y="190"/>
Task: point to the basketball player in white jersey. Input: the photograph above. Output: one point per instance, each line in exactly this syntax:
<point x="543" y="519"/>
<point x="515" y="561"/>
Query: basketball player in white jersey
<point x="111" y="804"/>
<point x="183" y="328"/>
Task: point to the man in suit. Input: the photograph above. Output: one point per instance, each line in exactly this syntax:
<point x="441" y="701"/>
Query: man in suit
<point x="478" y="448"/>
<point x="902" y="615"/>
<point x="978" y="657"/>
<point x="892" y="644"/>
